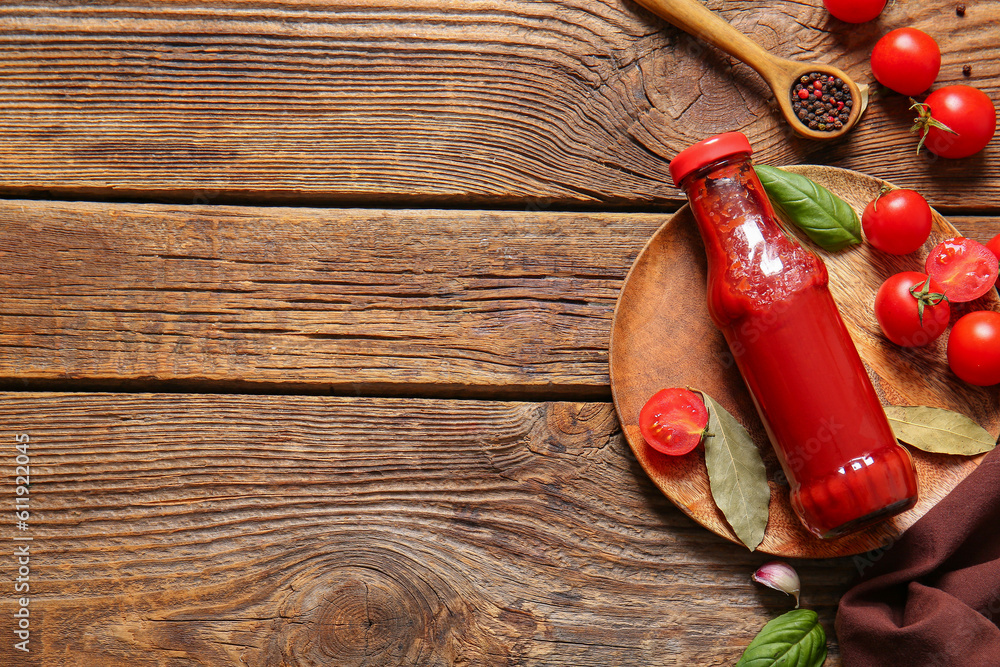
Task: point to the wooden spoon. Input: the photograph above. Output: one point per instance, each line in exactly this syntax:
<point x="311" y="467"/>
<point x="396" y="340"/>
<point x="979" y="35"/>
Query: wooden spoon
<point x="779" y="73"/>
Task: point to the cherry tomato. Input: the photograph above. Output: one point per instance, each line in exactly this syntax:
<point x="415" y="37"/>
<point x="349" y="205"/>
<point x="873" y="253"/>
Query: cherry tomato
<point x="897" y="222"/>
<point x="906" y="60"/>
<point x="966" y="111"/>
<point x="974" y="348"/>
<point x="993" y="245"/>
<point x="854" y="11"/>
<point x="964" y="268"/>
<point x="673" y="421"/>
<point x="911" y="309"/>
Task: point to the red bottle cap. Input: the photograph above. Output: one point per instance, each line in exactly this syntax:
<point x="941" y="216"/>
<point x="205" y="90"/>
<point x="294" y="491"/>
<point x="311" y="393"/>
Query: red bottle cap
<point x="706" y="152"/>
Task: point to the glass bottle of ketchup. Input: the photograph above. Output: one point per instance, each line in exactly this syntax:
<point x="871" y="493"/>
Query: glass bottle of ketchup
<point x="769" y="297"/>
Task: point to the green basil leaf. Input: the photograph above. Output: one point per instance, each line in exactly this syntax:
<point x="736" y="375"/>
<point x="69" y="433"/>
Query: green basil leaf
<point x="794" y="639"/>
<point x="736" y="475"/>
<point x="825" y="218"/>
<point x="938" y="430"/>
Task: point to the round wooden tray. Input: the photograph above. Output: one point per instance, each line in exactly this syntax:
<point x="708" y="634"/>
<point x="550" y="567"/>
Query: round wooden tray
<point x="662" y="337"/>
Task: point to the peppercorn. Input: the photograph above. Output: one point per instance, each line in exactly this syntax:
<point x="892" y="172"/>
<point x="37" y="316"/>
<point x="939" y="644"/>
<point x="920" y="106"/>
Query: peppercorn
<point x="823" y="102"/>
<point x="960" y="10"/>
<point x="967" y="70"/>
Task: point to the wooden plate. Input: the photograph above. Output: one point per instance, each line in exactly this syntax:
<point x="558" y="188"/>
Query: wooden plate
<point x="662" y="337"/>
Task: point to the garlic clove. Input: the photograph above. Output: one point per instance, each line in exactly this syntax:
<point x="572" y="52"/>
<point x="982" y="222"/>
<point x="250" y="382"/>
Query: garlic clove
<point x="779" y="576"/>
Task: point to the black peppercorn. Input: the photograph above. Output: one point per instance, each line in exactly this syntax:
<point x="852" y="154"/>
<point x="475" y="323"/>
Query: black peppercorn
<point x="822" y="101"/>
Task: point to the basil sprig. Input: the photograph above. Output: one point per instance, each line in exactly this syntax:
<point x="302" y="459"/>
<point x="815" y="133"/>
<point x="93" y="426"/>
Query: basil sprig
<point x="794" y="639"/>
<point x="825" y="218"/>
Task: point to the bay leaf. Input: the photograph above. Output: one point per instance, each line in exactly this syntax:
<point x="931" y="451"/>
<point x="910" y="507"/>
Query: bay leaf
<point x="736" y="475"/>
<point x="794" y="639"/>
<point x="938" y="430"/>
<point x="825" y="218"/>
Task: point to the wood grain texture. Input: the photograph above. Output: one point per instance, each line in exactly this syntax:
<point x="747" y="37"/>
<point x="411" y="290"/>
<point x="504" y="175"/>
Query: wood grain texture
<point x="780" y="74"/>
<point x="651" y="348"/>
<point x="572" y="102"/>
<point x="260" y="530"/>
<point x="399" y="302"/>
<point x="312" y="300"/>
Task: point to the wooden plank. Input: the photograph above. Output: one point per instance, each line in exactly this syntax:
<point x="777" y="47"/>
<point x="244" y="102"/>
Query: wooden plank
<point x="261" y="530"/>
<point x="256" y="299"/>
<point x="312" y="300"/>
<point x="472" y="102"/>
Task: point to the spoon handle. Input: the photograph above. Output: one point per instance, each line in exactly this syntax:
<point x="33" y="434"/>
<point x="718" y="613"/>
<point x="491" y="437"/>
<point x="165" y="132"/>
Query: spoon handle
<point x="699" y="21"/>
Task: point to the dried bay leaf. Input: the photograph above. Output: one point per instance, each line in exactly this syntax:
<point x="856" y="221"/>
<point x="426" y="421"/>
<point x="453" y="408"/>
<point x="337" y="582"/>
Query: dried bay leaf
<point x="938" y="430"/>
<point x="736" y="475"/>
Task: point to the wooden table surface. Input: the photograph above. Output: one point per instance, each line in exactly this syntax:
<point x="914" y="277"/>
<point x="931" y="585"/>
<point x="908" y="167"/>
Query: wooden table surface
<point x="305" y="311"/>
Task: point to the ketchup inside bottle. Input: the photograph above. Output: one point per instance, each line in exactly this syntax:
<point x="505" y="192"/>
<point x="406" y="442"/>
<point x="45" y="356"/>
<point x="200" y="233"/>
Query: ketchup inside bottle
<point x="769" y="297"/>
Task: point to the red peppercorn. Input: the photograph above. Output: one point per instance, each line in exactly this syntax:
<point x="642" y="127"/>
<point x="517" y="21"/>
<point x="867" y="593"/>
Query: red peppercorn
<point x="818" y="93"/>
<point x="803" y="94"/>
<point x="817" y="84"/>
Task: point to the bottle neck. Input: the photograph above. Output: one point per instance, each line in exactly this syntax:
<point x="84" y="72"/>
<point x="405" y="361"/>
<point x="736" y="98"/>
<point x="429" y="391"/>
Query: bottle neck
<point x="734" y="215"/>
<point x="729" y="203"/>
<point x="752" y="260"/>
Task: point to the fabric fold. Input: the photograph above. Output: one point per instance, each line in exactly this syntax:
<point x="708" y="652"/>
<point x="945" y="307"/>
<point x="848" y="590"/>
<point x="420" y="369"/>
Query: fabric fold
<point x="933" y="598"/>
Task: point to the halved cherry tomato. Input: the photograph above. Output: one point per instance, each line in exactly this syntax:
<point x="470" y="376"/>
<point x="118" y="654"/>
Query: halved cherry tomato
<point x="673" y="421"/>
<point x="911" y="310"/>
<point x="964" y="268"/>
<point x="974" y="348"/>
<point x="897" y="221"/>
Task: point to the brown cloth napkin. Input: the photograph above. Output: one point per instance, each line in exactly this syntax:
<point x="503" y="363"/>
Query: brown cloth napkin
<point x="933" y="598"/>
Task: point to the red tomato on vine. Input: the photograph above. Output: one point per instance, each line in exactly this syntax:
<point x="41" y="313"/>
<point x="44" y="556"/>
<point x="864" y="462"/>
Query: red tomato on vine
<point x="897" y="221"/>
<point x="974" y="348"/>
<point x="993" y="245"/>
<point x="955" y="121"/>
<point x="854" y="11"/>
<point x="906" y="60"/>
<point x="911" y="309"/>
